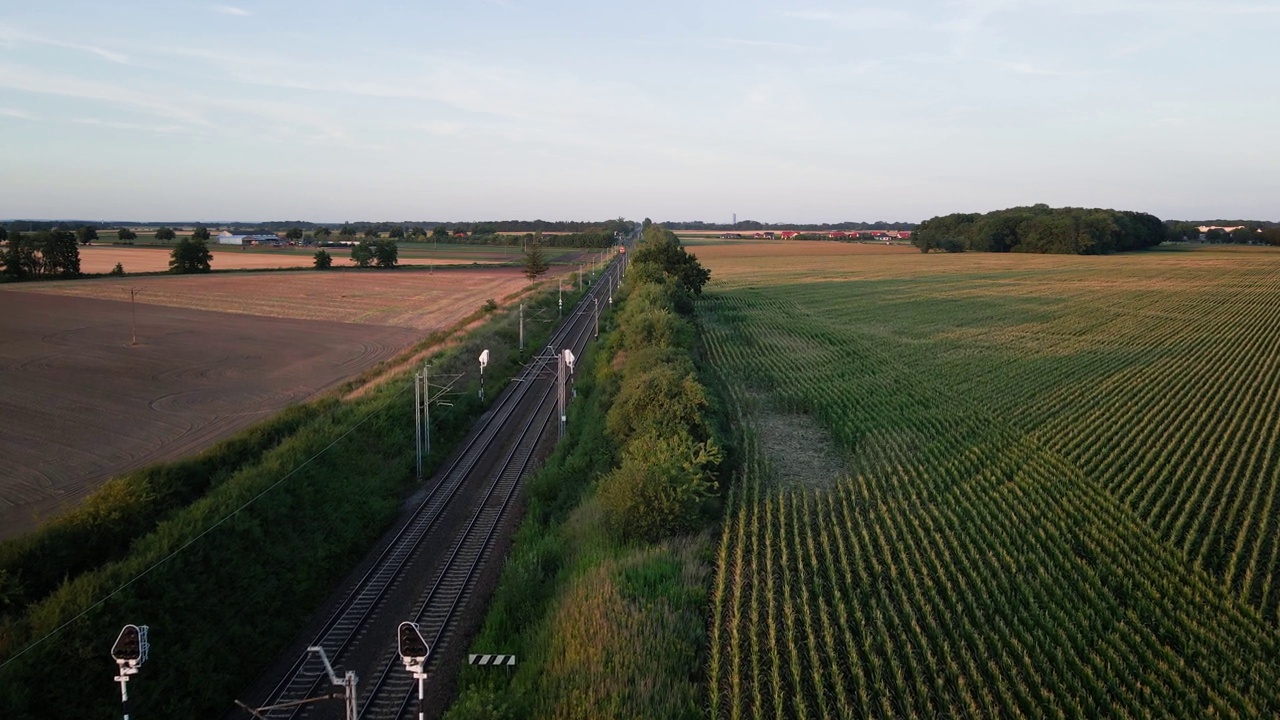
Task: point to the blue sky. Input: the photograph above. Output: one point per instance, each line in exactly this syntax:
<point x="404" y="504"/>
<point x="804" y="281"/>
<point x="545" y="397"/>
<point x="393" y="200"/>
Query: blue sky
<point x="776" y="111"/>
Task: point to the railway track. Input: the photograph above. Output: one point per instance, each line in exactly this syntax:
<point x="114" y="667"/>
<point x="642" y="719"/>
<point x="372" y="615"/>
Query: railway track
<point x="526" y="410"/>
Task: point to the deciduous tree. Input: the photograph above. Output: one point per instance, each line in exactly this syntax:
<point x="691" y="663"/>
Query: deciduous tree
<point x="362" y="254"/>
<point x="323" y="260"/>
<point x="190" y="256"/>
<point x="165" y="234"/>
<point x="86" y="234"/>
<point x="385" y="253"/>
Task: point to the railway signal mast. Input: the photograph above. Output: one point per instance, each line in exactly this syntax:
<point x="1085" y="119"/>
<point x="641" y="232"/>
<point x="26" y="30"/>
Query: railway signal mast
<point x="565" y="360"/>
<point x="484" y="360"/>
<point x="130" y="651"/>
<point x="413" y="653"/>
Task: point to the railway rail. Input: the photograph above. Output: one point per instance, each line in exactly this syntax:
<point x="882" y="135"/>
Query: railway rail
<point x="514" y="427"/>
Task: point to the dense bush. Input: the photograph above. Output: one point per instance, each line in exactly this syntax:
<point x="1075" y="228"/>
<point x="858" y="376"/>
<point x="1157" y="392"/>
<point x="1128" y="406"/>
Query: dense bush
<point x="663" y="485"/>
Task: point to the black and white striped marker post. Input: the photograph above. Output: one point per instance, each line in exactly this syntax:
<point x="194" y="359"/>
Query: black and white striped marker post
<point x="495" y="660"/>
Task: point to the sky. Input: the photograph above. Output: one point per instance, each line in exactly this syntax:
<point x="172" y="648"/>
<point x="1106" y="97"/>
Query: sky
<point x="457" y="110"/>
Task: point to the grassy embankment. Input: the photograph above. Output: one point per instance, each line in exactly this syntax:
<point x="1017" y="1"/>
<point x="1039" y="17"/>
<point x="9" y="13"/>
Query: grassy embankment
<point x="604" y="595"/>
<point x="223" y="555"/>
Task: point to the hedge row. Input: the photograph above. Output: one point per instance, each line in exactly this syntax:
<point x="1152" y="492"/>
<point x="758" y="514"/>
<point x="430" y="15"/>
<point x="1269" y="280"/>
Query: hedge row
<point x="604" y="595"/>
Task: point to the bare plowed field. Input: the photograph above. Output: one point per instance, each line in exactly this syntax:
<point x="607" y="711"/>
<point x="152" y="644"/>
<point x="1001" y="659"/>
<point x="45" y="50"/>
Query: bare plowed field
<point x="80" y="404"/>
<point x="138" y="259"/>
<point x="403" y="298"/>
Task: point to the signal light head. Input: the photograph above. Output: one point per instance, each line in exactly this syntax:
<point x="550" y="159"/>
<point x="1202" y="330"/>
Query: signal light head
<point x="413" y="648"/>
<point x="131" y="646"/>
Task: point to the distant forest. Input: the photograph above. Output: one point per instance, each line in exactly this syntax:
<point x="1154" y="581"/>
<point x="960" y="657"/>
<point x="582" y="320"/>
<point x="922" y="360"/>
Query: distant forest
<point x="695" y="225"/>
<point x="1042" y="229"/>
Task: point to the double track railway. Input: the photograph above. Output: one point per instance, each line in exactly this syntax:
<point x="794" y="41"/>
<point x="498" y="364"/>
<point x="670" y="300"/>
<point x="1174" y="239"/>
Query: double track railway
<point x="449" y="538"/>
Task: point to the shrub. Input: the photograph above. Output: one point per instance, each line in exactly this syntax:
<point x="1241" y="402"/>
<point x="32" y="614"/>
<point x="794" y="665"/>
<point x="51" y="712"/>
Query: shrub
<point x="323" y="260"/>
<point x="118" y="269"/>
<point x="663" y="400"/>
<point x="662" y="488"/>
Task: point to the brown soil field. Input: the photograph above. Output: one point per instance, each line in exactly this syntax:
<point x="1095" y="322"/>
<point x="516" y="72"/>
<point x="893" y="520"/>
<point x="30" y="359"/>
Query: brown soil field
<point x="81" y="404"/>
<point x="420" y="299"/>
<point x="215" y="354"/>
<point x="137" y="259"/>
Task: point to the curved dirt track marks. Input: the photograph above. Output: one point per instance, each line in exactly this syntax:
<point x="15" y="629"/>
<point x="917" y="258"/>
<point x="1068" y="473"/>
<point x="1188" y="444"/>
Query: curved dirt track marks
<point x="82" y="404"/>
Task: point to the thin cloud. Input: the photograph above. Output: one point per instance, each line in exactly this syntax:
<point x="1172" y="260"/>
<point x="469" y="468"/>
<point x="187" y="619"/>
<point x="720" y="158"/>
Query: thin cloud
<point x="12" y="35"/>
<point x="1026" y="68"/>
<point x="19" y="114"/>
<point x="767" y="44"/>
<point x="33" y="81"/>
<point x="867" y="18"/>
<point x="231" y="10"/>
<point x="127" y="125"/>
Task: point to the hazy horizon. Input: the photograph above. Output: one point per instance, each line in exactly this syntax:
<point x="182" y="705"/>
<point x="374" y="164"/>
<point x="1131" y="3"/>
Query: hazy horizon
<point x="781" y="112"/>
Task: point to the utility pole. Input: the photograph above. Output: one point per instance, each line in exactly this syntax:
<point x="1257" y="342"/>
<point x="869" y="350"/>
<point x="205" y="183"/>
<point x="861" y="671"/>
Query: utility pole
<point x="521" y="327"/>
<point x="422" y="412"/>
<point x="560" y="296"/>
<point x="417" y="423"/>
<point x="597" y="302"/>
<point x="133" y="314"/>
<point x="347" y="683"/>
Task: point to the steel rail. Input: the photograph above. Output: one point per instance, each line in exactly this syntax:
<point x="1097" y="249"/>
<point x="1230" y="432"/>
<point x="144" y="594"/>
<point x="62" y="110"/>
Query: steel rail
<point x="367" y="593"/>
<point x="437" y="619"/>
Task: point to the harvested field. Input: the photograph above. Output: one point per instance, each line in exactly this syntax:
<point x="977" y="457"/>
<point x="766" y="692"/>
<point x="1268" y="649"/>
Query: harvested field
<point x="418" y="299"/>
<point x="140" y="259"/>
<point x="216" y="353"/>
<point x="81" y="404"/>
<point x="155" y="258"/>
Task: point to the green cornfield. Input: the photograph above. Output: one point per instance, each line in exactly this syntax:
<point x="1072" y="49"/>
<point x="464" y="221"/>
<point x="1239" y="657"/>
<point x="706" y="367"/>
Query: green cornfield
<point x="997" y="485"/>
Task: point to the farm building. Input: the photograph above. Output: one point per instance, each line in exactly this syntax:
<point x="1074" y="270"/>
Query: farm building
<point x="227" y="238"/>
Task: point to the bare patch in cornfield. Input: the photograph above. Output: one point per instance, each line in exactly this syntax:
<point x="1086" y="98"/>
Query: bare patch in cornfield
<point x="800" y="452"/>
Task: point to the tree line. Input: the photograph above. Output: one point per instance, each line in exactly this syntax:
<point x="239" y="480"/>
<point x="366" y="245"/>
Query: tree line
<point x="752" y="225"/>
<point x="1245" y="231"/>
<point x="1041" y="229"/>
<point x="40" y="254"/>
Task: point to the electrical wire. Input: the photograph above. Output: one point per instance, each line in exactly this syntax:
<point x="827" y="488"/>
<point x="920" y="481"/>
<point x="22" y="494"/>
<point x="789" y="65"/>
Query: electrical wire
<point x="193" y="540"/>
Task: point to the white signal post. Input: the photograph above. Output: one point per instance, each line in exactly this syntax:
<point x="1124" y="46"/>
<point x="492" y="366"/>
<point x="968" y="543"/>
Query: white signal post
<point x="560" y="297"/>
<point x="414" y="652"/>
<point x="565" y="359"/>
<point x="484" y="360"/>
<point x="130" y="651"/>
<point x="521" y="327"/>
<point x="597" y="302"/>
